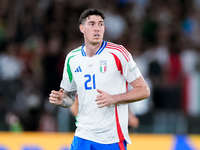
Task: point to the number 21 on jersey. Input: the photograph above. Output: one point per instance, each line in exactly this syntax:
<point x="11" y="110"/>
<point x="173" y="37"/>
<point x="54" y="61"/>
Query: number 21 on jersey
<point x="90" y="82"/>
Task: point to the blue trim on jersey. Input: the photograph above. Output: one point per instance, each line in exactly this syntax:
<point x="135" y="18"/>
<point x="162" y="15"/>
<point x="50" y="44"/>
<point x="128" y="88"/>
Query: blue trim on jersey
<point x="101" y="48"/>
<point x="82" y="51"/>
<point x="98" y="52"/>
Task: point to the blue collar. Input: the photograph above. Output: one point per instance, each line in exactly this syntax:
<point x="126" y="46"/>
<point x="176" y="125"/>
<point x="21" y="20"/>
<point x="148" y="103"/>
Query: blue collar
<point x="98" y="52"/>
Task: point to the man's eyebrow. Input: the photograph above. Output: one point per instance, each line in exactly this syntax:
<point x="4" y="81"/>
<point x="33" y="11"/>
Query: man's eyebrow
<point x="95" y="21"/>
<point x="91" y="21"/>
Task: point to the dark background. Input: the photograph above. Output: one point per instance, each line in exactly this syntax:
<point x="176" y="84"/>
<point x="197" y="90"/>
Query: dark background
<point x="163" y="37"/>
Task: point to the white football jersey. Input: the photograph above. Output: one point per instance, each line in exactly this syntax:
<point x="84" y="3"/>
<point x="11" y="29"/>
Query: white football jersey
<point x="110" y="70"/>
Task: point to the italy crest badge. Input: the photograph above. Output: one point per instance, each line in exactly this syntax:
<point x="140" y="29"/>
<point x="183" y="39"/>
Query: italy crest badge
<point x="103" y="66"/>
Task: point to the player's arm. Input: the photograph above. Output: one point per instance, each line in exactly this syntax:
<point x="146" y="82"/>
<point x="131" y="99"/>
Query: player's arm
<point x="62" y="98"/>
<point x="74" y="107"/>
<point x="133" y="121"/>
<point x="69" y="98"/>
<point x="140" y="91"/>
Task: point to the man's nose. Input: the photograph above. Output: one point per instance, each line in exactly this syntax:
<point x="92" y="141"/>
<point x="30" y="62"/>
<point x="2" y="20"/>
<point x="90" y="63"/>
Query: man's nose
<point x="96" y="27"/>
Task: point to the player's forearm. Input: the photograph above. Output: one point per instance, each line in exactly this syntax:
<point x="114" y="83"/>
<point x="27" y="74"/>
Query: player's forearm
<point x="74" y="107"/>
<point x="134" y="95"/>
<point x="68" y="99"/>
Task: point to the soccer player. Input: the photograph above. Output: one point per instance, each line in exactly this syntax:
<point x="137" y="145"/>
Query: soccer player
<point x="99" y="72"/>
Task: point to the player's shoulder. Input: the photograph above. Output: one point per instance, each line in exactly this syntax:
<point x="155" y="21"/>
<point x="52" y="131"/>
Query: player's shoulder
<point x="114" y="46"/>
<point x="119" y="50"/>
<point x="74" y="52"/>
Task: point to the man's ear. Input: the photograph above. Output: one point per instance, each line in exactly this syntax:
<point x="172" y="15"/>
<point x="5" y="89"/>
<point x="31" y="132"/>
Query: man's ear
<point x="81" y="27"/>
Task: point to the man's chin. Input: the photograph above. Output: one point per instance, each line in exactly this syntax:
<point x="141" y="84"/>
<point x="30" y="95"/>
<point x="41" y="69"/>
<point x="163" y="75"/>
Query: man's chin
<point x="96" y="41"/>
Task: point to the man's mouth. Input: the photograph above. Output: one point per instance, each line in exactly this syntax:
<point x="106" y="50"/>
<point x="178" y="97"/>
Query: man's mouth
<point x="96" y="35"/>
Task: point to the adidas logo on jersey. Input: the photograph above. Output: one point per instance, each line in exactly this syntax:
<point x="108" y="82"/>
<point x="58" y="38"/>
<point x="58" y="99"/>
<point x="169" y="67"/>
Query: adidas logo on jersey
<point x="78" y="69"/>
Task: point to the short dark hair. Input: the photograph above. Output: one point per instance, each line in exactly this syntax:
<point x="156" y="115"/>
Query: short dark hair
<point x="89" y="12"/>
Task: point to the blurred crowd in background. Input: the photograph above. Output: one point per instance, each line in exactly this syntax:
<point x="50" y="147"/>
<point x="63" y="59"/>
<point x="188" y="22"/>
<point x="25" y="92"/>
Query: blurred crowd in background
<point x="163" y="37"/>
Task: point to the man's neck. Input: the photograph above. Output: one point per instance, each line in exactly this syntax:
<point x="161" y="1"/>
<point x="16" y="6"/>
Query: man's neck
<point x="91" y="49"/>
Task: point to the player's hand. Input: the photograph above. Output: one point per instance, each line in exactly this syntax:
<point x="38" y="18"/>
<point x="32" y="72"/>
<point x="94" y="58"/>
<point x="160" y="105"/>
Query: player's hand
<point x="104" y="99"/>
<point x="56" y="97"/>
<point x="133" y="121"/>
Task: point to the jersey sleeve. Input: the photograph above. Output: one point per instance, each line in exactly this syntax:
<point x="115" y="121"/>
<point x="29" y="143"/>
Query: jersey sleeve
<point x="68" y="82"/>
<point x="130" y="69"/>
